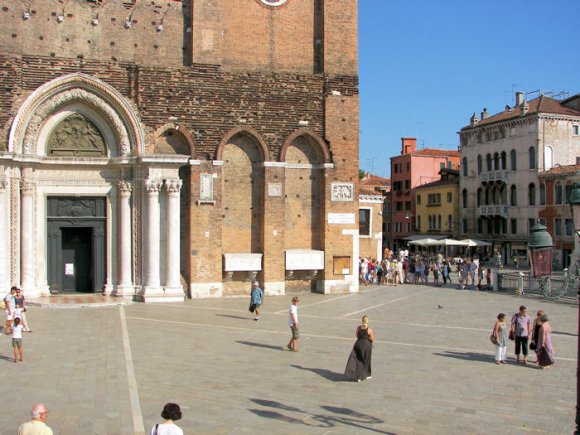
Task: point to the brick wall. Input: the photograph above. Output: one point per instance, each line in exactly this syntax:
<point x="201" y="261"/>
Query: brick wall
<point x="242" y="64"/>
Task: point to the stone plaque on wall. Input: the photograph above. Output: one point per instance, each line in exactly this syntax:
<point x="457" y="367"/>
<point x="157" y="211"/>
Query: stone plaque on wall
<point x="342" y="192"/>
<point x="274" y="189"/>
<point x="341" y="218"/>
<point x="206" y="187"/>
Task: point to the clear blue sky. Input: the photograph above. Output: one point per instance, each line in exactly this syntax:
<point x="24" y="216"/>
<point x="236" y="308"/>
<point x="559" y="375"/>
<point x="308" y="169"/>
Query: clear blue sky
<point x="426" y="65"/>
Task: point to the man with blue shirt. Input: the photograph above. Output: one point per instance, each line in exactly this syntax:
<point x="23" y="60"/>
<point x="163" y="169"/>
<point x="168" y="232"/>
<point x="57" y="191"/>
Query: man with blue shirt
<point x="256" y="298"/>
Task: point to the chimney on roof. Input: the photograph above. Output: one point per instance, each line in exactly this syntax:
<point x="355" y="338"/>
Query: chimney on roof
<point x="519" y="98"/>
<point x="484" y="114"/>
<point x="524" y="109"/>
<point x="409" y="145"/>
<point x="473" y="120"/>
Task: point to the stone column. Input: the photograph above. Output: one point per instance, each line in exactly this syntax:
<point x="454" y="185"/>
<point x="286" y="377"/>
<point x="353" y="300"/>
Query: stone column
<point x="173" y="286"/>
<point x="152" y="286"/>
<point x="27" y="254"/>
<point x="124" y="231"/>
<point x="4" y="235"/>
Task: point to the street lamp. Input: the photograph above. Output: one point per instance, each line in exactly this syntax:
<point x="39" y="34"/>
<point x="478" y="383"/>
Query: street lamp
<point x="574" y="201"/>
<point x="540" y="247"/>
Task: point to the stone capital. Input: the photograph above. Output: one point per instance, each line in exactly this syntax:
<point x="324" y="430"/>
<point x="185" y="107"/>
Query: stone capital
<point x="173" y="185"/>
<point x="27" y="187"/>
<point x="153" y="185"/>
<point x="124" y="186"/>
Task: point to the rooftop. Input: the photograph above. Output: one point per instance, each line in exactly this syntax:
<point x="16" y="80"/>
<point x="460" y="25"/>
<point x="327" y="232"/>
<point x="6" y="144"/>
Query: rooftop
<point x="542" y="104"/>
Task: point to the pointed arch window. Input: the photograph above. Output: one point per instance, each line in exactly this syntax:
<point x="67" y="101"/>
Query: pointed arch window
<point x="513" y="196"/>
<point x="532" y="194"/>
<point x="532" y="157"/>
<point x="514" y="162"/>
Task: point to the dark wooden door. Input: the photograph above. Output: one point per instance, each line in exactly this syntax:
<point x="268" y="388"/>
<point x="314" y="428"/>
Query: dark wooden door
<point x="77" y="259"/>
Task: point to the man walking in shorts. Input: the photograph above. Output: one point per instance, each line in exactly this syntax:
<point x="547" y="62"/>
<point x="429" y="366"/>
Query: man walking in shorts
<point x="293" y="323"/>
<point x="256" y="298"/>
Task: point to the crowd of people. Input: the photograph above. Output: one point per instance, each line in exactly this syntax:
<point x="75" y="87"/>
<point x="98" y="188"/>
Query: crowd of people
<point x="424" y="268"/>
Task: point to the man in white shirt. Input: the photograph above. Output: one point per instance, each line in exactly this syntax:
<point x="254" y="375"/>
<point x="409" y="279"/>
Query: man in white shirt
<point x="293" y="323"/>
<point x="9" y="300"/>
<point x="36" y="426"/>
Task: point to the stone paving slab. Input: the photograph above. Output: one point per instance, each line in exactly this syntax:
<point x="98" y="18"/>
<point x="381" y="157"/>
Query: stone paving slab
<point x="433" y="369"/>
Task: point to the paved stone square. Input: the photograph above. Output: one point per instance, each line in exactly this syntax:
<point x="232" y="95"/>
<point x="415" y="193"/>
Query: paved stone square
<point x="433" y="370"/>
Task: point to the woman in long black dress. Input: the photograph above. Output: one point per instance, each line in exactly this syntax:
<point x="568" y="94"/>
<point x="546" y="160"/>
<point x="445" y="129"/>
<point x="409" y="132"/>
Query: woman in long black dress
<point x="358" y="366"/>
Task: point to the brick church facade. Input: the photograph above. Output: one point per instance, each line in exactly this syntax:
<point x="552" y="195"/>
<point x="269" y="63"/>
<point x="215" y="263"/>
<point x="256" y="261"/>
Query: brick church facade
<point x="162" y="150"/>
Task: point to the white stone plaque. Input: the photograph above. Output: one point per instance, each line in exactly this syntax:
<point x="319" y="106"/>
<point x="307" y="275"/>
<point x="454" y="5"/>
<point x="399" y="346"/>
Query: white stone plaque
<point x="304" y="259"/>
<point x="206" y="187"/>
<point x="274" y="189"/>
<point x="242" y="262"/>
<point x="341" y="218"/>
<point x="342" y="192"/>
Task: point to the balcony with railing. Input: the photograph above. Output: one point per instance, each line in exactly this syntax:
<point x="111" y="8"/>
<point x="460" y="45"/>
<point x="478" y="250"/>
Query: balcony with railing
<point x="493" y="210"/>
<point x="495" y="177"/>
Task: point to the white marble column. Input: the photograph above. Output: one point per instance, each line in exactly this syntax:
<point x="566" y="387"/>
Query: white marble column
<point x="4" y="235"/>
<point x="173" y="286"/>
<point x="124" y="277"/>
<point x="152" y="288"/>
<point x="27" y="254"/>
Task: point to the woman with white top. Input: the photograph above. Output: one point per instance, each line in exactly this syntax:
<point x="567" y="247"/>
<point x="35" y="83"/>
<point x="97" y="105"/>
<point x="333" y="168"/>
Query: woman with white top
<point x="171" y="413"/>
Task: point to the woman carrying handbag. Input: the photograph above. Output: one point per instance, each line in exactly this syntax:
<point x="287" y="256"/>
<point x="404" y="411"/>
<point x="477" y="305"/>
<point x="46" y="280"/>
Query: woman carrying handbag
<point x="544" y="347"/>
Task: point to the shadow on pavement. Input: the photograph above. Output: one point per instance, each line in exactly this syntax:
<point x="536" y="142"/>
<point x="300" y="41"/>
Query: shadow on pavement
<point x="326" y="374"/>
<point x="235" y="317"/>
<point x="564" y="333"/>
<point x="337" y="416"/>
<point x="265" y="346"/>
<point x="467" y="356"/>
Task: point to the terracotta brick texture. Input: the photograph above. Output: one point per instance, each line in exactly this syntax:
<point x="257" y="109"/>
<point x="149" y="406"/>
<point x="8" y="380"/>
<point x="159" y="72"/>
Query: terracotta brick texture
<point x="238" y="78"/>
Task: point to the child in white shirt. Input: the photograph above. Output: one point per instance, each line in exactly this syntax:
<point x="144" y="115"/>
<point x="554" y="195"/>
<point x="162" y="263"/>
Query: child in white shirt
<point x="17" y="339"/>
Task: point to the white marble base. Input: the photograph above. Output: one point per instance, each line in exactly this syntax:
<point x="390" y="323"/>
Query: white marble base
<point x="274" y="288"/>
<point x="160" y="298"/>
<point x="198" y="290"/>
<point x="328" y="286"/>
<point x="35" y="292"/>
<point x="122" y="290"/>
